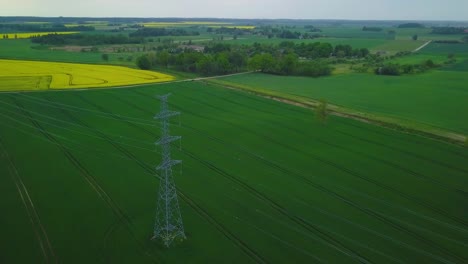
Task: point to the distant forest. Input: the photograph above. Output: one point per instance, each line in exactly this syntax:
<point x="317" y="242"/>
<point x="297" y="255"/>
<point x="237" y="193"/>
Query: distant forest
<point x="43" y="28"/>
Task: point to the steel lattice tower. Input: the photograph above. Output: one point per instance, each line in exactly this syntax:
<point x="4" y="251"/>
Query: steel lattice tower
<point x="168" y="225"/>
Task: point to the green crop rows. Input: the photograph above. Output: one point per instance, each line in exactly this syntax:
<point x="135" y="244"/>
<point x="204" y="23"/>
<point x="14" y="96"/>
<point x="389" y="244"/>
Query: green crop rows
<point x="262" y="182"/>
<point x="432" y="98"/>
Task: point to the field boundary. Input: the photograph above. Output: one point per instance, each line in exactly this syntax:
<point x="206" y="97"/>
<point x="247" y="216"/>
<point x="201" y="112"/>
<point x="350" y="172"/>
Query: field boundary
<point x="390" y="123"/>
<point x="422" y="46"/>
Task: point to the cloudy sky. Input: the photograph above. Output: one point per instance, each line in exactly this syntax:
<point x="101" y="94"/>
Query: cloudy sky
<point x="305" y="9"/>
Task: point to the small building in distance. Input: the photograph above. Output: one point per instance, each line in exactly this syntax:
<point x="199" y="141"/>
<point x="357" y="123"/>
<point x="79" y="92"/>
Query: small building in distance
<point x="196" y="48"/>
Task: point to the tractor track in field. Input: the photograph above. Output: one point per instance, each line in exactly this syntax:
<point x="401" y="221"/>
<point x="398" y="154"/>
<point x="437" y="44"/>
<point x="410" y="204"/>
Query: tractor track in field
<point x="442" y="164"/>
<point x="332" y="164"/>
<point x="440" y="135"/>
<point x="337" y="166"/>
<point x="255" y="192"/>
<point x="391" y="164"/>
<point x="89" y="178"/>
<point x="347" y="134"/>
<point x="39" y="230"/>
<point x="388" y="163"/>
<point x="197" y="208"/>
<point x="414" y="142"/>
<point x="122" y="150"/>
<point x="257" y="98"/>
<point x="139" y="127"/>
<point x="109" y="231"/>
<point x="367" y="211"/>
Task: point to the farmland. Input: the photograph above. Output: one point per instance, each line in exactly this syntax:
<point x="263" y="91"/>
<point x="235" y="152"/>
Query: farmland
<point x="54" y="75"/>
<point x="29" y="35"/>
<point x="347" y="166"/>
<point x="405" y="97"/>
<point x="286" y="189"/>
<point x="409" y="98"/>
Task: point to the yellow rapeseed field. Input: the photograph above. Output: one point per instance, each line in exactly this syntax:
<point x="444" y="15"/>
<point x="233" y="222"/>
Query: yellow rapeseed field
<point x="37" y="75"/>
<point x="239" y="27"/>
<point x="28" y="35"/>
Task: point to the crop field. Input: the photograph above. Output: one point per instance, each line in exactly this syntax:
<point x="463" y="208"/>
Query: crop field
<point x="260" y="181"/>
<point x="29" y="35"/>
<point x="410" y="98"/>
<point x="55" y="75"/>
<point x="184" y="23"/>
<point x="353" y="32"/>
<point x="357" y="43"/>
<point x="394" y="46"/>
<point x="23" y="50"/>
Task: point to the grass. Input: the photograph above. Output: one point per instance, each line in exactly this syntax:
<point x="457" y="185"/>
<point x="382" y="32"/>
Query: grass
<point x="438" y="53"/>
<point x="23" y="49"/>
<point x="436" y="98"/>
<point x="261" y="179"/>
<point x="55" y="75"/>
<point x="395" y="46"/>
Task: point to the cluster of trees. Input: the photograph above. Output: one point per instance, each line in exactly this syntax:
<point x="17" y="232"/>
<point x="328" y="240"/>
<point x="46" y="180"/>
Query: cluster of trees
<point x="311" y="28"/>
<point x="159" y="32"/>
<point x="288" y="65"/>
<point x="411" y="25"/>
<point x="448" y="30"/>
<point x="85" y="39"/>
<point x="397" y="69"/>
<point x="220" y="58"/>
<point x="447" y="41"/>
<point x="288" y="34"/>
<point x="196" y="62"/>
<point x="230" y="30"/>
<point x="286" y="58"/>
<point x="375" y="29"/>
<point x="323" y="50"/>
<point x="43" y="28"/>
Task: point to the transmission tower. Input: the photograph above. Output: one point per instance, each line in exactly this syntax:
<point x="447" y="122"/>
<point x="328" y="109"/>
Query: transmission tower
<point x="168" y="225"/>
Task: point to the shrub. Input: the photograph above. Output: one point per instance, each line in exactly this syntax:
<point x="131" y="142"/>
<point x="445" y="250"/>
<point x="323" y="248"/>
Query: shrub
<point x="143" y="62"/>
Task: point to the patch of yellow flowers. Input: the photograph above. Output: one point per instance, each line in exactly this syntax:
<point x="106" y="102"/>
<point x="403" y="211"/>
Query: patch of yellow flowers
<point x="29" y="35"/>
<point x="37" y="75"/>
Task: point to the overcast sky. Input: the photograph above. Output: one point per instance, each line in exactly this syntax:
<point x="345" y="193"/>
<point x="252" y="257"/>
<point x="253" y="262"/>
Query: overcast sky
<point x="305" y="9"/>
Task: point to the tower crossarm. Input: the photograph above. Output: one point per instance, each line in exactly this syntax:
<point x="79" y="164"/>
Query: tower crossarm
<point x="167" y="164"/>
<point x="167" y="140"/>
<point x="166" y="114"/>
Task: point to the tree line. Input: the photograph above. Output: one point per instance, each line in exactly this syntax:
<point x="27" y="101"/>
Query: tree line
<point x="287" y="58"/>
<point x="44" y="28"/>
<point x="85" y="39"/>
<point x="448" y="30"/>
<point x="160" y="32"/>
<point x="398" y="69"/>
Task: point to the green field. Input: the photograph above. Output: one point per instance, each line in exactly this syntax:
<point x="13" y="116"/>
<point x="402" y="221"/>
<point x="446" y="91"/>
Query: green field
<point x="436" y="98"/>
<point x="261" y="181"/>
<point x="23" y="49"/>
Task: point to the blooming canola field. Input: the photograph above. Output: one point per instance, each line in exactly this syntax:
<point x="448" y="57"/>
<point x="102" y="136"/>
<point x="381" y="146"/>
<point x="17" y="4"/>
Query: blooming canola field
<point x="29" y="35"/>
<point x="36" y="75"/>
